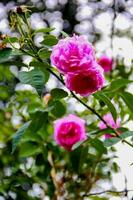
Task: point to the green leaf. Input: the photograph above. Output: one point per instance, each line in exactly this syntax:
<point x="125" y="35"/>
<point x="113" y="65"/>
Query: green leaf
<point x="59" y="108"/>
<point x="99" y="146"/>
<point x="11" y="39"/>
<point x="39" y="118"/>
<point x="117" y="84"/>
<point x="78" y="144"/>
<point x="58" y="93"/>
<point x="64" y="34"/>
<point x="29" y="149"/>
<point x="19" y="134"/>
<point x="44" y="30"/>
<point x="43" y="67"/>
<point x="49" y="40"/>
<point x="44" y="53"/>
<point x="5" y="54"/>
<point x="111" y="141"/>
<point x="128" y="99"/>
<point x="106" y="100"/>
<point x="35" y="78"/>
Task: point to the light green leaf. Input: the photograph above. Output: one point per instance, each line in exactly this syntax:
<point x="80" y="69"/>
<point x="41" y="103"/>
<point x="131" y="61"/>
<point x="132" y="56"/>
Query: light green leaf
<point x="44" y="30"/>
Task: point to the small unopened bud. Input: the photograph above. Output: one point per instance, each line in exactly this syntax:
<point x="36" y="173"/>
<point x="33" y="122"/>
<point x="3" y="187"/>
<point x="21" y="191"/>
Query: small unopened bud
<point x="47" y="98"/>
<point x="21" y="9"/>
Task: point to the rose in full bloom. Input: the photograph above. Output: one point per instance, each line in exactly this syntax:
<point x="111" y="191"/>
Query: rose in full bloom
<point x="86" y="83"/>
<point x="110" y="121"/>
<point x="69" y="130"/>
<point x="73" y="54"/>
<point x="106" y="63"/>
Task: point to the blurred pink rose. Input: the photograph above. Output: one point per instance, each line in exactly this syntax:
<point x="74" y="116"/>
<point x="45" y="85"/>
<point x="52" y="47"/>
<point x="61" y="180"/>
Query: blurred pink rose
<point x="86" y="83"/>
<point x="73" y="54"/>
<point x="110" y="121"/>
<point x="69" y="130"/>
<point x="106" y="63"/>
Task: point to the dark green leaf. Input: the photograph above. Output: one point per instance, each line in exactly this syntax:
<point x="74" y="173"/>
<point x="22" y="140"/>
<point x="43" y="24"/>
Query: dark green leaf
<point x="5" y="54"/>
<point x="58" y="93"/>
<point x="35" y="78"/>
<point x="59" y="109"/>
<point x="19" y="134"/>
<point x="106" y="100"/>
<point x="39" y="118"/>
<point x="128" y="99"/>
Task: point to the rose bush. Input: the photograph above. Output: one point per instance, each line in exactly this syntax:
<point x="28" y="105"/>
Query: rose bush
<point x="48" y="116"/>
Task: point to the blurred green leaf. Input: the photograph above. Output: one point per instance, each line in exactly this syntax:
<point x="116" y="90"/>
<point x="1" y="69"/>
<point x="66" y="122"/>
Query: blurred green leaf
<point x="58" y="93"/>
<point x="112" y="141"/>
<point x="35" y="78"/>
<point x="99" y="146"/>
<point x="107" y="101"/>
<point x="44" y="30"/>
<point x="117" y="84"/>
<point x="128" y="99"/>
<point x="19" y="134"/>
<point x="29" y="149"/>
<point x="76" y="145"/>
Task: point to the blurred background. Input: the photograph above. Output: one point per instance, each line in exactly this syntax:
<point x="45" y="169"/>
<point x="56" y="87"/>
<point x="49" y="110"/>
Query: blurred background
<point x="108" y="24"/>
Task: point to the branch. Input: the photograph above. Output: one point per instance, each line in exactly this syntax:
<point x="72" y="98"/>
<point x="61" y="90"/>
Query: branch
<point x="107" y="191"/>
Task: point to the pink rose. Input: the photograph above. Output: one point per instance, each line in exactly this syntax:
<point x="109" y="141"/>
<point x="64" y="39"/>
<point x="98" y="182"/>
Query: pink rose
<point x="86" y="83"/>
<point x="73" y="54"/>
<point x="69" y="130"/>
<point x="110" y="121"/>
<point x="106" y="63"/>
